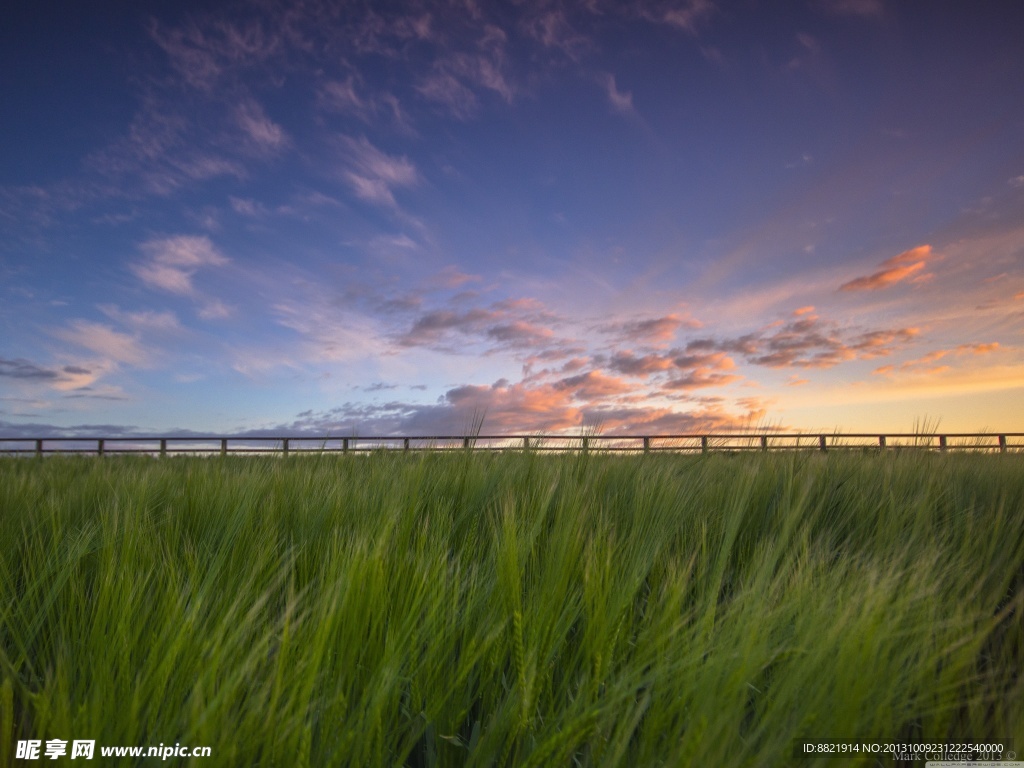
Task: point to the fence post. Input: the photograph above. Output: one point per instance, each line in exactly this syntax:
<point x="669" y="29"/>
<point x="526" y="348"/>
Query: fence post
<point x="1002" y="443"/>
<point x="344" y="445"/>
<point x="822" y="443"/>
<point x="586" y="444"/>
<point x="405" y="444"/>
<point x="163" y="447"/>
<point x="704" y="444"/>
<point x="223" y="446"/>
<point x="99" y="447"/>
<point x="526" y="443"/>
<point x="39" y="447"/>
<point x="465" y="443"/>
<point x="942" y="442"/>
<point x="647" y="445"/>
<point x="285" y="446"/>
<point x="881" y="442"/>
<point x="764" y="442"/>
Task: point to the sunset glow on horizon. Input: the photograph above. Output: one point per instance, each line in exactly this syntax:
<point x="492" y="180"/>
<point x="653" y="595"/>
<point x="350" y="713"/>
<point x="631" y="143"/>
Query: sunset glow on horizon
<point x="667" y="216"/>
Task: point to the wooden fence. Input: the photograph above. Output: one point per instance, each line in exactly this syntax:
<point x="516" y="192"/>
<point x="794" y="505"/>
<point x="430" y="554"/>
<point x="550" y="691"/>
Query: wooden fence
<point x="720" y="442"/>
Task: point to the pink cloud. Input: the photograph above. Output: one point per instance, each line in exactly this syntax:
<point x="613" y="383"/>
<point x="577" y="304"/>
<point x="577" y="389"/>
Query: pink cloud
<point x="452" y="277"/>
<point x="103" y="340"/>
<point x="372" y="174"/>
<point x="628" y="363"/>
<point x="511" y="324"/>
<point x="262" y="133"/>
<point x="594" y="385"/>
<point x="173" y="261"/>
<point x="653" y="330"/>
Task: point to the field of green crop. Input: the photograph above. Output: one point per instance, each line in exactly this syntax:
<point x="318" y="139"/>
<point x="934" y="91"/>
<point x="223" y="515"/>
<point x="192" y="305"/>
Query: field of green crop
<point x="514" y="609"/>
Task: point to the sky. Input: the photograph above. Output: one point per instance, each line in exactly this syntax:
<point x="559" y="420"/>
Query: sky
<point x="662" y="216"/>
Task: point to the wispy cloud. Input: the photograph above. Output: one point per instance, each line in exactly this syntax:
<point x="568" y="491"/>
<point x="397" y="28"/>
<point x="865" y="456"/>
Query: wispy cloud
<point x="863" y="8"/>
<point x="329" y="334"/>
<point x="487" y="66"/>
<point x="926" y="363"/>
<point x="247" y="207"/>
<point x="146" y="320"/>
<point x="456" y="73"/>
<point x="553" y="29"/>
<point x="262" y="134"/>
<point x="444" y="88"/>
<point x="204" y="51"/>
<point x="214" y="309"/>
<point x="171" y="262"/>
<point x="105" y="341"/>
<point x="687" y="15"/>
<point x="190" y="53"/>
<point x="373" y="175"/>
<point x="451" y="277"/>
<point x="621" y="101"/>
<point x="894" y="270"/>
<point x="341" y="96"/>
<point x="163" y="150"/>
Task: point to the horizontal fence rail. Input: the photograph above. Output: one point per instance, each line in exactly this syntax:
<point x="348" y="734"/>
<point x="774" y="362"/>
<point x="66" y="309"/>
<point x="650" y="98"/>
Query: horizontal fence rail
<point x="1012" y="442"/>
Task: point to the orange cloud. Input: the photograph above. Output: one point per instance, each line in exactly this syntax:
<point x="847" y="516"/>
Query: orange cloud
<point x="979" y="349"/>
<point x="593" y="385"/>
<point x="893" y="271"/>
<point x="881" y="343"/>
<point x="920" y="365"/>
<point x="516" y="407"/>
<point x="567" y="404"/>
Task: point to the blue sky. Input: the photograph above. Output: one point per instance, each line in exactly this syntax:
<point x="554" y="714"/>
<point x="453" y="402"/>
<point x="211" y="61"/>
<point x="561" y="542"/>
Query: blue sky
<point x="661" y="216"/>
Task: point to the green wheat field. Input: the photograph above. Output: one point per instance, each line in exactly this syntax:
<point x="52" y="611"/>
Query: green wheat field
<point x="512" y="609"/>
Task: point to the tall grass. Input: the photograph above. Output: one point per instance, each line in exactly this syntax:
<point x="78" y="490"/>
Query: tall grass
<point x="516" y="609"/>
